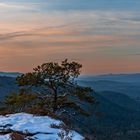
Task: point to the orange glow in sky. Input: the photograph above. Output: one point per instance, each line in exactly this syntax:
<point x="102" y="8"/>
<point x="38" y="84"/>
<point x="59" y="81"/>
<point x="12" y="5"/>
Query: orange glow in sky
<point x="103" y="41"/>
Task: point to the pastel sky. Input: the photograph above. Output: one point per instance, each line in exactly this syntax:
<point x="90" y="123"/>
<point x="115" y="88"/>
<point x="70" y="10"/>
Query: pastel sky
<point x="103" y="35"/>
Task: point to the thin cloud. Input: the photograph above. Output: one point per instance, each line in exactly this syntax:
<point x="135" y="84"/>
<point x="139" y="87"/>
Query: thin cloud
<point x="33" y="32"/>
<point x="17" y="6"/>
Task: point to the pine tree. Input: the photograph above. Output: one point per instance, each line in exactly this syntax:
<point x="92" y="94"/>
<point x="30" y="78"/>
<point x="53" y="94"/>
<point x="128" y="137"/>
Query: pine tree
<point x="18" y="102"/>
<point x="61" y="90"/>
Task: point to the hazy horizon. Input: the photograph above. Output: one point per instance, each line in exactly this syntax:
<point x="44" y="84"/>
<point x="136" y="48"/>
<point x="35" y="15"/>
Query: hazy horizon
<point x="102" y="35"/>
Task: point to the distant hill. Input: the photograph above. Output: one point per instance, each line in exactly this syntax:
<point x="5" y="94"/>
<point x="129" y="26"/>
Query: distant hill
<point x="10" y="74"/>
<point x="118" y="113"/>
<point x="129" y="78"/>
<point x="7" y="85"/>
<point x="121" y="100"/>
<point x="128" y="84"/>
<point x="110" y="120"/>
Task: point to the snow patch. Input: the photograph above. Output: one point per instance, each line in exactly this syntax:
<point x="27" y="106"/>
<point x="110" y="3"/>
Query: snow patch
<point x="5" y="137"/>
<point x="24" y="122"/>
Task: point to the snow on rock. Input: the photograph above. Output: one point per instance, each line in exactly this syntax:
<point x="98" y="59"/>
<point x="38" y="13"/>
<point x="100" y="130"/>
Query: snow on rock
<point x="5" y="137"/>
<point x="24" y="122"/>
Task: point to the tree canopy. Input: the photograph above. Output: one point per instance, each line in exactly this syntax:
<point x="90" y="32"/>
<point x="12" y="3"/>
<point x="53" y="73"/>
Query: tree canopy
<point x="58" y="82"/>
